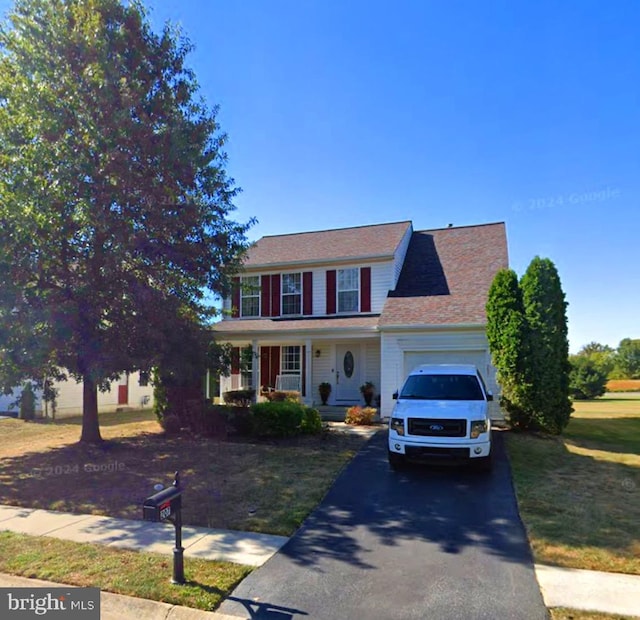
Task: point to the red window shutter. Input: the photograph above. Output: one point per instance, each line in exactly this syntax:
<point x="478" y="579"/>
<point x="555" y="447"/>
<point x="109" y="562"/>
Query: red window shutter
<point x="365" y="289"/>
<point x="307" y="293"/>
<point x="265" y="366"/>
<point x="275" y="295"/>
<point x="275" y="365"/>
<point x="304" y="370"/>
<point x="331" y="291"/>
<point x="235" y="299"/>
<point x="265" y="292"/>
<point x="235" y="361"/>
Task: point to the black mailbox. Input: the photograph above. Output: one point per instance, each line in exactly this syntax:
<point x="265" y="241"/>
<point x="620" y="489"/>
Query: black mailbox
<point x="163" y="505"/>
<point x="166" y="505"/>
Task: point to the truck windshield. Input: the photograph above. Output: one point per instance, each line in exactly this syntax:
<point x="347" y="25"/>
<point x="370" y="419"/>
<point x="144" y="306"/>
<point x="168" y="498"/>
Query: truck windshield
<point x="442" y="387"/>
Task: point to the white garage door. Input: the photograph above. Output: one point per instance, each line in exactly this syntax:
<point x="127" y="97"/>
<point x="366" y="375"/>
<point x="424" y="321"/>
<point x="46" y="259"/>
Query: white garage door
<point x="415" y="358"/>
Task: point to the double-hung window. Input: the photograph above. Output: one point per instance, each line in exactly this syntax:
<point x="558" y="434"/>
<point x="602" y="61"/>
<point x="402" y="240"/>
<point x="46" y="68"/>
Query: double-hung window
<point x="291" y="360"/>
<point x="291" y="293"/>
<point x="348" y="290"/>
<point x="250" y="296"/>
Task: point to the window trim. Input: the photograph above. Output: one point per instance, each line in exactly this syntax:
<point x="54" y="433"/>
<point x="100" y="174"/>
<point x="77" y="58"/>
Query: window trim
<point x="283" y="357"/>
<point x="351" y="290"/>
<point x="300" y="294"/>
<point x="254" y="294"/>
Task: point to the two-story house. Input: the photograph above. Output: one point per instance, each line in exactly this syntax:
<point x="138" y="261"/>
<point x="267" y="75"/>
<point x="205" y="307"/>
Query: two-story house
<point x="360" y="304"/>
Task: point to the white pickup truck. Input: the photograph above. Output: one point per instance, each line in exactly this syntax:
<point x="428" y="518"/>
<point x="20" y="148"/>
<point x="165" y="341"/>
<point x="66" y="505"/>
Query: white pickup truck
<point x="441" y="413"/>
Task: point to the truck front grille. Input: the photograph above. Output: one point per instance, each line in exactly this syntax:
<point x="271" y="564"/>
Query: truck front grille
<point x="427" y="427"/>
<point x="431" y="453"/>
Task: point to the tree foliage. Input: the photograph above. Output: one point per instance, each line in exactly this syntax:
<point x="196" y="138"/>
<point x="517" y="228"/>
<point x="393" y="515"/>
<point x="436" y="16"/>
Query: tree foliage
<point x="114" y="200"/>
<point x="507" y="333"/>
<point x="587" y="380"/>
<point x="548" y="365"/>
<point x="527" y="333"/>
<point x="602" y="355"/>
<point x="627" y="359"/>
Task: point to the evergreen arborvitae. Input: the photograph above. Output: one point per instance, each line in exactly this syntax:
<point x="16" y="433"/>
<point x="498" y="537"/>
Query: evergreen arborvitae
<point x="508" y="342"/>
<point x="547" y="367"/>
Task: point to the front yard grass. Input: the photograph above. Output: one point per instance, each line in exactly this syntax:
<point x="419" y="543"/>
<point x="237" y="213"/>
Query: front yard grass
<point x="560" y="613"/>
<point x="579" y="494"/>
<point x="144" y="575"/>
<point x="260" y="486"/>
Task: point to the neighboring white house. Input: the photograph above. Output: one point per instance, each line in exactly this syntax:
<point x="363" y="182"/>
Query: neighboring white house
<point x="131" y="391"/>
<point x="360" y="304"/>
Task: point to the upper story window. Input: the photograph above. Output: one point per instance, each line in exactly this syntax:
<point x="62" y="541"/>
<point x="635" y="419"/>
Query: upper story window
<point x="250" y="296"/>
<point x="291" y="293"/>
<point x="348" y="290"/>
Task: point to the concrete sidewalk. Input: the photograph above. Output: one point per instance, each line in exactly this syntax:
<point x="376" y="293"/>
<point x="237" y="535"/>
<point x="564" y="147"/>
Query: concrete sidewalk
<point x="561" y="587"/>
<point x="248" y="548"/>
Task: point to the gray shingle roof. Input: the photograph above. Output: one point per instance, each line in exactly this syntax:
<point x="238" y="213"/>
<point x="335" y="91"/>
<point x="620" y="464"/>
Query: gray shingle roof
<point x="446" y="276"/>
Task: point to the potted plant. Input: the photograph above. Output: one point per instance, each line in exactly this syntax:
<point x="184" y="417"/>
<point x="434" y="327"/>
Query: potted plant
<point x="325" y="389"/>
<point x="368" y="391"/>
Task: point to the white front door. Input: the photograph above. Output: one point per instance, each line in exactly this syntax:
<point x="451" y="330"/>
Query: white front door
<point x="348" y="373"/>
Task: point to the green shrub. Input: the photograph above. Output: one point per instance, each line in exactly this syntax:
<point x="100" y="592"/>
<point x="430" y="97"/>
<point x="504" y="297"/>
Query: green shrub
<point x="239" y="398"/>
<point x="240" y="420"/>
<point x="280" y="396"/>
<point x="311" y="422"/>
<point x="277" y="419"/>
<point x="360" y="415"/>
<point x="586" y="379"/>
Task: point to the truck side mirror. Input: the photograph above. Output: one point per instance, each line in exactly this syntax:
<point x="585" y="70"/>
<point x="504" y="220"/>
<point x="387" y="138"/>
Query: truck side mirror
<point x="395" y="395"/>
<point x="489" y="396"/>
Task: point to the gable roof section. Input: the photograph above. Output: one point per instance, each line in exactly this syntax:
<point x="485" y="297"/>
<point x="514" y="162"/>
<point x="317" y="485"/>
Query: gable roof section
<point x="446" y="277"/>
<point x="361" y="242"/>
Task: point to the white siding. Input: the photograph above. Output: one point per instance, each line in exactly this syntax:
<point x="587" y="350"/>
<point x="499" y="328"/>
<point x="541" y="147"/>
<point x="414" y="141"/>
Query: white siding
<point x="399" y="256"/>
<point x="319" y="287"/>
<point x="69" y="399"/>
<point x="401" y="349"/>
<point x="322" y="370"/>
<point x="381" y="284"/>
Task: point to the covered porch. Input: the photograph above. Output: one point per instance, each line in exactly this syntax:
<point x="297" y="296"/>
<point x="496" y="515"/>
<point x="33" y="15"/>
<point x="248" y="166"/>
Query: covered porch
<point x="294" y="365"/>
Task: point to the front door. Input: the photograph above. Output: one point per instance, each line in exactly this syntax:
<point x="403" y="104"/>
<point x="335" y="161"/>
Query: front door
<point x="348" y="373"/>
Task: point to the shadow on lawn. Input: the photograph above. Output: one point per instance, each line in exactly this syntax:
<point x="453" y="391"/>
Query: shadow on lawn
<point x="112" y="479"/>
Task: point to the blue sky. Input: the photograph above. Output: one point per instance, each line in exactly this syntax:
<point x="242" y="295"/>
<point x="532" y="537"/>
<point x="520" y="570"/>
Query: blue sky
<point x="349" y="112"/>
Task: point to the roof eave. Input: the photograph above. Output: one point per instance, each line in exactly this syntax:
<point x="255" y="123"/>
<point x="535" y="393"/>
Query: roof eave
<point x="342" y="260"/>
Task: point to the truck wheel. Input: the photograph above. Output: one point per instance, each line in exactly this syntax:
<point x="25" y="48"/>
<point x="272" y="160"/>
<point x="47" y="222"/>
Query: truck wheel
<point x="396" y="461"/>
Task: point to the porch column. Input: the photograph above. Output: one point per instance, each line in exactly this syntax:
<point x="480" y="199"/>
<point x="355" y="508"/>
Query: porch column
<point x="308" y="399"/>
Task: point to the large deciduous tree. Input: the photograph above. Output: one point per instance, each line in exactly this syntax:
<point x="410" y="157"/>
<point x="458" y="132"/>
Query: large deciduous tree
<point x="627" y="359"/>
<point x="114" y="200"/>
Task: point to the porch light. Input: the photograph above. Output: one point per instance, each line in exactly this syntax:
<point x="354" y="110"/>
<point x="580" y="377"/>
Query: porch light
<point x="317" y="352"/>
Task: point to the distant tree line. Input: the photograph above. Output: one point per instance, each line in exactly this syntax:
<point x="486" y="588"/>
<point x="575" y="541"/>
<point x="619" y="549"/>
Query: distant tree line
<point x="596" y="363"/>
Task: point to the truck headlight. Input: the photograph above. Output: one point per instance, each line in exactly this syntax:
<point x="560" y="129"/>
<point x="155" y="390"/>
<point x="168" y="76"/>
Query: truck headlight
<point x="477" y="428"/>
<point x="397" y="425"/>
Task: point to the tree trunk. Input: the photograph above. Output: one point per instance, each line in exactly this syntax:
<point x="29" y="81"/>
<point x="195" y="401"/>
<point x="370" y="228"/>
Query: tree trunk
<point x="90" y="423"/>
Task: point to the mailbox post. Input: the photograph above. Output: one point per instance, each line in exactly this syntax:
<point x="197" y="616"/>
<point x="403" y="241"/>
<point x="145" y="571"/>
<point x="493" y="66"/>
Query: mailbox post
<point x="166" y="505"/>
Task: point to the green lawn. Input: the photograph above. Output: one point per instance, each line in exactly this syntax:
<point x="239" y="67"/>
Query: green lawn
<point x="145" y="575"/>
<point x="579" y="494"/>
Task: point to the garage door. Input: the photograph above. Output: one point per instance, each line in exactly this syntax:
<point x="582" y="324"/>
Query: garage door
<point x="415" y="358"/>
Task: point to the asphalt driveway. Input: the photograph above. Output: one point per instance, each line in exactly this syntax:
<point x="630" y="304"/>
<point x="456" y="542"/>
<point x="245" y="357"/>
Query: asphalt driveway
<point x="426" y="543"/>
